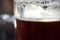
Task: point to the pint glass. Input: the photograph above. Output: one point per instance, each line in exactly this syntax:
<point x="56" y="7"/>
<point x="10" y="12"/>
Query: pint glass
<point x="37" y="19"/>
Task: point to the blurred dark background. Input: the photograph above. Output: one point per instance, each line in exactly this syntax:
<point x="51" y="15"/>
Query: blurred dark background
<point x="7" y="29"/>
<point x="6" y="6"/>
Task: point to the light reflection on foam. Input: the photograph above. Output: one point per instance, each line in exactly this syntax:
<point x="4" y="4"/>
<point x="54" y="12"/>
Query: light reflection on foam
<point x="41" y="20"/>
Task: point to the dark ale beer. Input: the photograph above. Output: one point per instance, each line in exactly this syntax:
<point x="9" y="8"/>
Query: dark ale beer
<point x="37" y="19"/>
<point x="30" y="30"/>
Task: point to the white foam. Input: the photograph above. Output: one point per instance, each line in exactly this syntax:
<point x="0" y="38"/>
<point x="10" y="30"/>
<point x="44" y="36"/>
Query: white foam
<point x="32" y="12"/>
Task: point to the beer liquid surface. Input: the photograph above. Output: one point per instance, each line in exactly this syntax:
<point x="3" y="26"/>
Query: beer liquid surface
<point x="27" y="30"/>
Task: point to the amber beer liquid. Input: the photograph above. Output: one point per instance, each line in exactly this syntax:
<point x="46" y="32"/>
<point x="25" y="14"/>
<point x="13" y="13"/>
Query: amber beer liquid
<point x="37" y="20"/>
<point x="30" y="30"/>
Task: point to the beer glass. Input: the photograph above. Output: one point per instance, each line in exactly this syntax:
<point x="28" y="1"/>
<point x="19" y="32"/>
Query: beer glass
<point x="37" y="19"/>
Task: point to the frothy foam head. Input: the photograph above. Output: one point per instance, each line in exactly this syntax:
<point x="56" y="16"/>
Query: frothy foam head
<point x="34" y="12"/>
